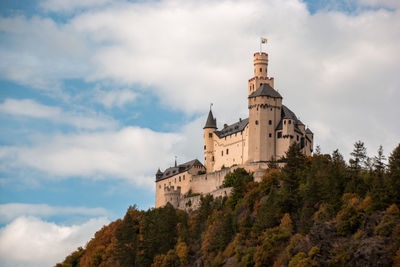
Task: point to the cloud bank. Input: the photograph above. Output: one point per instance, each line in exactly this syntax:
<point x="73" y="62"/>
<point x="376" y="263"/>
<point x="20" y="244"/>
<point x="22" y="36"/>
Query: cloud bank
<point x="30" y="241"/>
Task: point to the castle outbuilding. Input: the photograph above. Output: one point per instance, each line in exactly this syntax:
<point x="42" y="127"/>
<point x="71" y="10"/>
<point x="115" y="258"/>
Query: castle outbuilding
<point x="249" y="143"/>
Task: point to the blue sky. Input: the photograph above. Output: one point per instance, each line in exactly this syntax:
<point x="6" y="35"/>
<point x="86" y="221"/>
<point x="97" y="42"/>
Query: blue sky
<point x="96" y="95"/>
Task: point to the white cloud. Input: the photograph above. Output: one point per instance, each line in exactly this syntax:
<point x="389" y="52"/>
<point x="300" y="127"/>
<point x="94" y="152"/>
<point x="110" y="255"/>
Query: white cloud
<point x="30" y="108"/>
<point x="115" y="97"/>
<point x="29" y="241"/>
<point x="131" y="153"/>
<point x="334" y="68"/>
<point x="11" y="211"/>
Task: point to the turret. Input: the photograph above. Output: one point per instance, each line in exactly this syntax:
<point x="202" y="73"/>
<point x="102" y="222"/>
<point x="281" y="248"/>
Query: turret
<point x="260" y="72"/>
<point x="209" y="129"/>
<point x="159" y="174"/>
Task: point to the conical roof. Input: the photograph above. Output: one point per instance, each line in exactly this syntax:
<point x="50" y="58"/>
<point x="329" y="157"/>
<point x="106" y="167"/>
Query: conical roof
<point x="211" y="121"/>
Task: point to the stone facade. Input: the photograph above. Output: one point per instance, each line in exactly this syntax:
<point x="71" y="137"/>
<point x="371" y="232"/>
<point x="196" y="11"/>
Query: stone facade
<point x="249" y="143"/>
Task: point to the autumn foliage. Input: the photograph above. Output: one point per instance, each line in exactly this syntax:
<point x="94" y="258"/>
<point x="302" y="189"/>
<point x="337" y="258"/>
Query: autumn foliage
<point x="313" y="211"/>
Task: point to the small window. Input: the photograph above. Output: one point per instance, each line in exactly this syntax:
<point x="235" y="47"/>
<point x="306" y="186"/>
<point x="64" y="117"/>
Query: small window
<point x="270" y="122"/>
<point x="159" y="186"/>
<point x="205" y="158"/>
<point x="204" y="147"/>
<point x="227" y="151"/>
<point x="175" y="180"/>
<point x="260" y="69"/>
<point x="184" y="177"/>
<point x="179" y="178"/>
<point x="270" y="135"/>
<point x="222" y="153"/>
<point x="212" y="158"/>
<point x="284" y="122"/>
<point x="256" y="122"/>
<point x="297" y="138"/>
<point x="290" y="122"/>
<point x="210" y="135"/>
<point x="279" y="134"/>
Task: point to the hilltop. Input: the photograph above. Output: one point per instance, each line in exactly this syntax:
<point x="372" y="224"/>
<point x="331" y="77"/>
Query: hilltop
<point x="315" y="211"/>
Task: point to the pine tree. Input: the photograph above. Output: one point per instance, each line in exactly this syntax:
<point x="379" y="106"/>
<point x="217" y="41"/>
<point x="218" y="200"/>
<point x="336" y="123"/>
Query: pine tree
<point x="394" y="175"/>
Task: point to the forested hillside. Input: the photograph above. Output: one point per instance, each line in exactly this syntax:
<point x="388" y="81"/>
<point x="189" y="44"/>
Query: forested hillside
<point x="315" y="211"/>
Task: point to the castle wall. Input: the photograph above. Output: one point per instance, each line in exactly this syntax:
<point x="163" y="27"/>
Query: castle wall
<point x="230" y="150"/>
<point x="208" y="182"/>
<point x="181" y="179"/>
<point x="194" y="203"/>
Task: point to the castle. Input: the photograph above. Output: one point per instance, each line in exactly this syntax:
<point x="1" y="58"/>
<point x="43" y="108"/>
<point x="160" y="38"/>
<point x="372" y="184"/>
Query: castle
<point x="249" y="143"/>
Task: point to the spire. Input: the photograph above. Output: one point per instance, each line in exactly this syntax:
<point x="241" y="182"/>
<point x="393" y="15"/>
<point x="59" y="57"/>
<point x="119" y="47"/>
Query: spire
<point x="211" y="121"/>
<point x="175" y="161"/>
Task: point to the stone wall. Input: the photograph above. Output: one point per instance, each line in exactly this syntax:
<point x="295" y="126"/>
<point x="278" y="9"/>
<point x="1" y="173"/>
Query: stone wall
<point x="193" y="203"/>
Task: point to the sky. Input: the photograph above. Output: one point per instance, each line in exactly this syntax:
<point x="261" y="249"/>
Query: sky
<point x="96" y="95"/>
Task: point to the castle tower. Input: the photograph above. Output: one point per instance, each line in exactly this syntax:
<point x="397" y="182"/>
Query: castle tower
<point x="264" y="112"/>
<point x="260" y="72"/>
<point x="209" y="128"/>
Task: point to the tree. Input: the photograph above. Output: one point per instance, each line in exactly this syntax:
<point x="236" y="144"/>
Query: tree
<point x="359" y="155"/>
<point x="394" y="174"/>
<point x="291" y="175"/>
<point x="379" y="163"/>
<point x="238" y="180"/>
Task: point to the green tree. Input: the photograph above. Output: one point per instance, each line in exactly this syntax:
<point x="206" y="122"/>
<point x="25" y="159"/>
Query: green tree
<point x="291" y="175"/>
<point x="238" y="180"/>
<point x="394" y="175"/>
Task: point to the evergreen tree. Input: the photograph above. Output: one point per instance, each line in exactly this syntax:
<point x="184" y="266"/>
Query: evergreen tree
<point x="291" y="175"/>
<point x="394" y="175"/>
<point x="359" y="155"/>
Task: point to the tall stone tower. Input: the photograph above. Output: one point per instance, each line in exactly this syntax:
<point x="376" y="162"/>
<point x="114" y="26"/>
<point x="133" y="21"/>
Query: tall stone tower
<point x="265" y="106"/>
<point x="209" y="128"/>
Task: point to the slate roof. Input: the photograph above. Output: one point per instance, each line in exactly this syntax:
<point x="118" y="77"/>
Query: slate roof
<point x="171" y="171"/>
<point x="211" y="121"/>
<point x="286" y="113"/>
<point x="309" y="131"/>
<point x="265" y="90"/>
<point x="233" y="128"/>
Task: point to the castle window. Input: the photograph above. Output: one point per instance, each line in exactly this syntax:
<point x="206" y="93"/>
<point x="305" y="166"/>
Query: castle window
<point x="210" y="135"/>
<point x="279" y="134"/>
<point x="290" y="122"/>
<point x="260" y="69"/>
<point x="175" y="180"/>
<point x="184" y="177"/>
<point x="284" y="122"/>
<point x="227" y="151"/>
<point x="270" y="122"/>
<point x="256" y="122"/>
<point x="179" y="178"/>
<point x="222" y="153"/>
<point x="204" y="147"/>
<point x="212" y="158"/>
<point x="270" y="135"/>
<point x="297" y="138"/>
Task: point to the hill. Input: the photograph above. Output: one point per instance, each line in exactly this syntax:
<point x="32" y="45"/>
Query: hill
<point x="314" y="211"/>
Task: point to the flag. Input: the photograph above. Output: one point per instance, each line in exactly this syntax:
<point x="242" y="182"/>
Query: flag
<point x="264" y="40"/>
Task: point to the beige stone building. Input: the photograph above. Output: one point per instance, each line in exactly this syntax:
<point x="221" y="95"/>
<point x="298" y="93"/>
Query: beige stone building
<point x="249" y="143"/>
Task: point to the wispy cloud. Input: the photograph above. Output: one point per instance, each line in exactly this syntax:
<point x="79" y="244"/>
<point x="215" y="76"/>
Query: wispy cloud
<point x="11" y="211"/>
<point x="33" y="109"/>
<point x="115" y="98"/>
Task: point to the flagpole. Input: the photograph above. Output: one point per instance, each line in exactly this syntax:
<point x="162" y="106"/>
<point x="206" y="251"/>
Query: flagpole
<point x="260" y="44"/>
